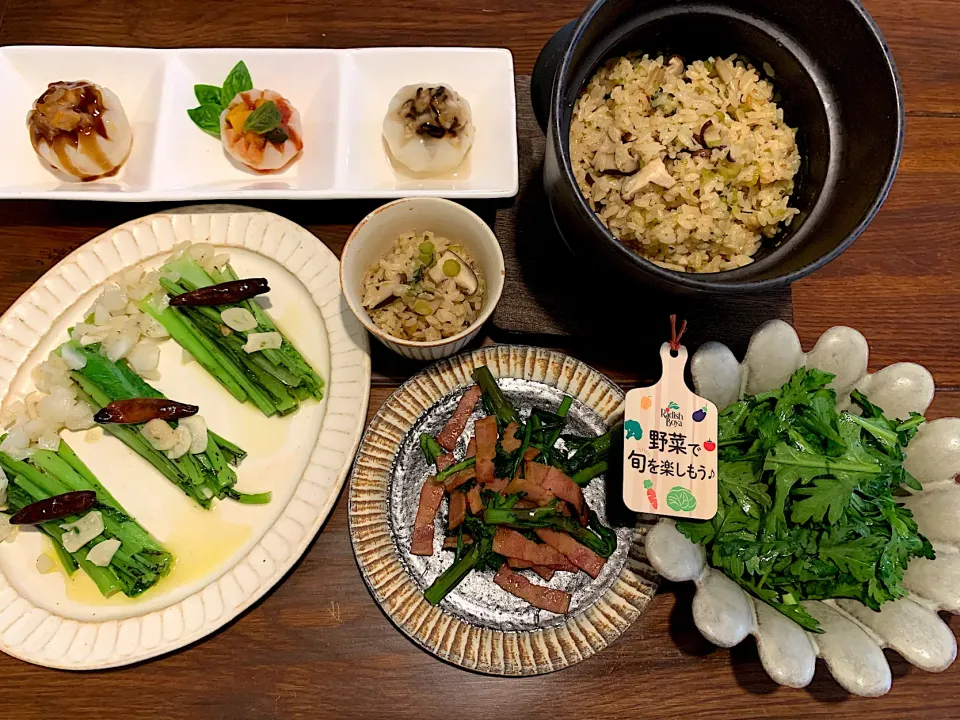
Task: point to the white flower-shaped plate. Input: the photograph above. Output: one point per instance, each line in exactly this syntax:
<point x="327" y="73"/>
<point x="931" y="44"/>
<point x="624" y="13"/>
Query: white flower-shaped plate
<point x="229" y="556"/>
<point x="855" y="636"/>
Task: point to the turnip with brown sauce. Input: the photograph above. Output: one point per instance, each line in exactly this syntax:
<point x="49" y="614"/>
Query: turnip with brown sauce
<point x="79" y="129"/>
<point x="429" y="128"/>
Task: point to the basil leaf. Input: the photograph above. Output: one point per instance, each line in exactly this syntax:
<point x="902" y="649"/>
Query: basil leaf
<point x="278" y="136"/>
<point x="264" y="119"/>
<point x="237" y="81"/>
<point x="207" y="118"/>
<point x="207" y="94"/>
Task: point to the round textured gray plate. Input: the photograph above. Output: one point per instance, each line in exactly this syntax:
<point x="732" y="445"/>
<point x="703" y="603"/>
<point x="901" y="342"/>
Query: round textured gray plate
<point x="480" y="626"/>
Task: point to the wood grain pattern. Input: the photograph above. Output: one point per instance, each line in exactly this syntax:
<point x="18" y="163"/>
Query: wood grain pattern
<point x="318" y="646"/>
<point x="923" y="33"/>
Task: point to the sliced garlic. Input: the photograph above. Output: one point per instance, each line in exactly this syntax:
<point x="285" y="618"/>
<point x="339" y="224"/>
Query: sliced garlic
<point x="238" y="319"/>
<point x="200" y="251"/>
<point x="219" y="260"/>
<point x="82" y="531"/>
<point x="73" y="358"/>
<point x="144" y="358"/>
<point x="182" y="443"/>
<point x="151" y="328"/>
<point x="7" y="531"/>
<point x="159" y="434"/>
<point x="94" y="434"/>
<point x="45" y="564"/>
<point x="198" y="433"/>
<point x="102" y="553"/>
<point x="32" y="401"/>
<point x="263" y="341"/>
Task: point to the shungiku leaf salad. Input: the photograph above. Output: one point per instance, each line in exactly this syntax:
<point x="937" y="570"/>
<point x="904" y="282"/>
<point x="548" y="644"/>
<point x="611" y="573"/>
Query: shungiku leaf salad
<point x="808" y="507"/>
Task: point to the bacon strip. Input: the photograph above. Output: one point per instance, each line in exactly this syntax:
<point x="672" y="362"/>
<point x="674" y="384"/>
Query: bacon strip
<point x="497" y="486"/>
<point x="445" y="461"/>
<point x="431" y="494"/>
<point x="510" y="440"/>
<point x="535" y="472"/>
<point x="474" y="501"/>
<point x="533" y="491"/>
<point x="545" y="572"/>
<point x="458" y="421"/>
<point x="549" y="599"/>
<point x="457" y="479"/>
<point x="510" y="543"/>
<point x="450" y="543"/>
<point x="458" y="510"/>
<point x="565" y="489"/>
<point x="486" y="431"/>
<point x="565" y="566"/>
<point x="530" y="453"/>
<point x="580" y="555"/>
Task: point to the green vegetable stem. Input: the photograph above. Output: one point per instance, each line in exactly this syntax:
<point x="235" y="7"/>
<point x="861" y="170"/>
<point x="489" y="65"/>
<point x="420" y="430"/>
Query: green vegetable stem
<point x="140" y="561"/>
<point x="276" y="380"/>
<point x="431" y="448"/>
<point x="202" y="477"/>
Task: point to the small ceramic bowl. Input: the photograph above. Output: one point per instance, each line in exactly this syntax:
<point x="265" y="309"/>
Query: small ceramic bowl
<point x="376" y="233"/>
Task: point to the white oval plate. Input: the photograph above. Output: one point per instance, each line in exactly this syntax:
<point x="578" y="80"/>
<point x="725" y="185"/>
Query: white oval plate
<point x="228" y="557"/>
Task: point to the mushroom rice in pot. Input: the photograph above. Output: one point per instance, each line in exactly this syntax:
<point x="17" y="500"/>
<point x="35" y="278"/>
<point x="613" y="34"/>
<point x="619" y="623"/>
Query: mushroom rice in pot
<point x="691" y="166"/>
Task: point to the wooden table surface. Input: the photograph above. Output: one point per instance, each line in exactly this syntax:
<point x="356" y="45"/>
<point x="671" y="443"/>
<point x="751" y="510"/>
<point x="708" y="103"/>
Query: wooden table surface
<point x="317" y="645"/>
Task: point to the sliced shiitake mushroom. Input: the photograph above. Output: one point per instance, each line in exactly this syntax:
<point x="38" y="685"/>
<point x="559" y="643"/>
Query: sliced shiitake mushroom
<point x="710" y="135"/>
<point x="384" y="294"/>
<point x="653" y="172"/>
<point x="450" y="265"/>
<point x="675" y="65"/>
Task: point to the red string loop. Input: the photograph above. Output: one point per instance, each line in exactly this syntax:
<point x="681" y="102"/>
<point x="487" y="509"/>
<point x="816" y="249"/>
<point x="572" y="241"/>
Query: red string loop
<point x="674" y="335"/>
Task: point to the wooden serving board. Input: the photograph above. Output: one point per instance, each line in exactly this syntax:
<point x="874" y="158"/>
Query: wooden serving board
<point x="547" y="293"/>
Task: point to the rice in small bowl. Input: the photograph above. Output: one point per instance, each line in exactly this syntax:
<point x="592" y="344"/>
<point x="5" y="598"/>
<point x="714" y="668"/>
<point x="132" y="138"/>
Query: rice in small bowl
<point x="393" y="277"/>
<point x="691" y="166"/>
<point x="426" y="288"/>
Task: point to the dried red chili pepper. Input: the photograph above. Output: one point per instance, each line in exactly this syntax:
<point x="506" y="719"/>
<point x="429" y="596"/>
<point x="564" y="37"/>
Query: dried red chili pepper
<point x="141" y="410"/>
<point x="54" y="508"/>
<point x="223" y="293"/>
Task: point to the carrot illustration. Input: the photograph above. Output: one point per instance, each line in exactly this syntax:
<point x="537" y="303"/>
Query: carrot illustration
<point x="652" y="497"/>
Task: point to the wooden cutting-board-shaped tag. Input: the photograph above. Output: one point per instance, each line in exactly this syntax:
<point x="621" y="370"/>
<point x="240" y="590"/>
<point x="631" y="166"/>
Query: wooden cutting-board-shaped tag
<point x="670" y="446"/>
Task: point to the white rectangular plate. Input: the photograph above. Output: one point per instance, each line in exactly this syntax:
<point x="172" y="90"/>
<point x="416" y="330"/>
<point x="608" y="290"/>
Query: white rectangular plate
<point x="342" y="96"/>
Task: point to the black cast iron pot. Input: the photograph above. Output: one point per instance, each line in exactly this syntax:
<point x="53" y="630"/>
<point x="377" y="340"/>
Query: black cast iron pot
<point x="839" y="87"/>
